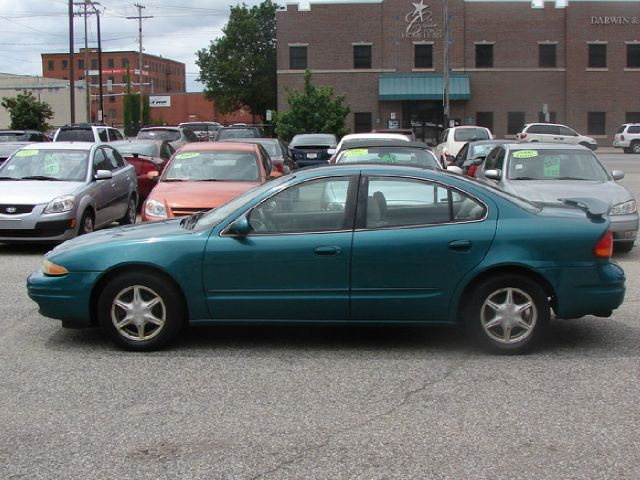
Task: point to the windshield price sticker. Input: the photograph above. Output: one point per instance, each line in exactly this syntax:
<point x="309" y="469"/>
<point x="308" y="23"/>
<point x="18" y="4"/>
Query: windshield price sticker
<point x="525" y="154"/>
<point x="51" y="166"/>
<point x="356" y="152"/>
<point x="551" y="167"/>
<point x="187" y="155"/>
<point x="27" y="153"/>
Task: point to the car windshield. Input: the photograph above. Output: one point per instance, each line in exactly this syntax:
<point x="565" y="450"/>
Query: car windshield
<point x="308" y="139"/>
<point x="215" y="216"/>
<point x="236" y="133"/>
<point x="7" y="149"/>
<point x="129" y="148"/>
<point x="213" y="166"/>
<point x="538" y="164"/>
<point x="75" y="135"/>
<point x="481" y="150"/>
<point x="158" y="134"/>
<point x="398" y="155"/>
<point x="35" y="164"/>
<point x="468" y="134"/>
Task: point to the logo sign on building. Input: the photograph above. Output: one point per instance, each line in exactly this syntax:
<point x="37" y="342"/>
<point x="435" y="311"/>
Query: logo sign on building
<point x="159" y="101"/>
<point x="420" y="23"/>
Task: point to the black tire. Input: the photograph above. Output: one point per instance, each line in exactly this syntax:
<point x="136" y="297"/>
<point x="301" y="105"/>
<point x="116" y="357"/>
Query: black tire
<point x="525" y="313"/>
<point x="140" y="333"/>
<point x="635" y="147"/>
<point x="627" y="150"/>
<point x="623" y="247"/>
<point x="87" y="223"/>
<point x="131" y="213"/>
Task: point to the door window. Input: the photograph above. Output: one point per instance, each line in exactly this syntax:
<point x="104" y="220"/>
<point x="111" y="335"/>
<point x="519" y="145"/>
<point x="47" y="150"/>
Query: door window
<point x="101" y="162"/>
<point x="314" y="206"/>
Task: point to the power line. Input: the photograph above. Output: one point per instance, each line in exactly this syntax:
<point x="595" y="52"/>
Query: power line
<point x="139" y="18"/>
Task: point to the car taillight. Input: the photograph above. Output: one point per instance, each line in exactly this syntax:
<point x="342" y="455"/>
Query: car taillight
<point x="147" y="167"/>
<point x="522" y="136"/>
<point x="622" y="138"/>
<point x="278" y="166"/>
<point x="604" y="247"/>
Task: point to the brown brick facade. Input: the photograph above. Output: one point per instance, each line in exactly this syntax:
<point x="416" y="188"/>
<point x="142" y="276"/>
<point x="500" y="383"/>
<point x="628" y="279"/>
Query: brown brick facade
<point x="515" y="82"/>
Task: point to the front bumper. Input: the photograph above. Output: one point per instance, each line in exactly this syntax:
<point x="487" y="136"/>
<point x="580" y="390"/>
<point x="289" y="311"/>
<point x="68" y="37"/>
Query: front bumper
<point x="624" y="227"/>
<point x="36" y="226"/>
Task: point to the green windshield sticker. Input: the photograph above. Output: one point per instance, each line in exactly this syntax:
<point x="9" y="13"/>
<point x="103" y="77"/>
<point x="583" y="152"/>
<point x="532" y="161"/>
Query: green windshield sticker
<point x="51" y="166"/>
<point x="27" y="153"/>
<point x="525" y="154"/>
<point x="356" y="152"/>
<point x="552" y="167"/>
<point x="388" y="158"/>
<point x="188" y="155"/>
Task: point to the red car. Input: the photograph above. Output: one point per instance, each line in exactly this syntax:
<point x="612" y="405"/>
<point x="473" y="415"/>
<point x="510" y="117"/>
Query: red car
<point x="148" y="157"/>
<point x="203" y="175"/>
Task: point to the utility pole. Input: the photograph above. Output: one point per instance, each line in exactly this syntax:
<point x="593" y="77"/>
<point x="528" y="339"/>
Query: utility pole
<point x="101" y="112"/>
<point x="72" y="83"/>
<point x="85" y="13"/>
<point x="445" y="95"/>
<point x="139" y="18"/>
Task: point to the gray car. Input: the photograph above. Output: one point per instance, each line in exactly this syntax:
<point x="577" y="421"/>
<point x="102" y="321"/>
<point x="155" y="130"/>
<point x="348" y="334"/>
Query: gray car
<point x="51" y="192"/>
<point x="547" y="173"/>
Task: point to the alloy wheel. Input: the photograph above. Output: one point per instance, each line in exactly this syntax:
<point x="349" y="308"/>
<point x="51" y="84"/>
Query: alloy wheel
<point x="508" y="315"/>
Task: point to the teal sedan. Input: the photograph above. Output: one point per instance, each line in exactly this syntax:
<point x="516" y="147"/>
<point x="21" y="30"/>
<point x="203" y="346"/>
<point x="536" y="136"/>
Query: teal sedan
<point x="368" y="244"/>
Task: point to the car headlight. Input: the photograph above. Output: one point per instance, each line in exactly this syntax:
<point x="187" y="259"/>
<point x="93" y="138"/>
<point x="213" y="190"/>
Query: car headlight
<point x="153" y="208"/>
<point x="61" y="204"/>
<point x="53" y="270"/>
<point x="624" y="208"/>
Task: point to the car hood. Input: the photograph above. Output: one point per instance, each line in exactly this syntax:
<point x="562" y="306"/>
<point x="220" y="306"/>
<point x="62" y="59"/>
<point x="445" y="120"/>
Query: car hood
<point x="35" y="191"/>
<point x="198" y="194"/>
<point x="551" y="190"/>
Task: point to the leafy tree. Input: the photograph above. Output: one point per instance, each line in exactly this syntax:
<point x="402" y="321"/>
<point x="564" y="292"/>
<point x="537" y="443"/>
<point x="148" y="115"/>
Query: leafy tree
<point x="314" y="110"/>
<point x="239" y="68"/>
<point x="27" y="113"/>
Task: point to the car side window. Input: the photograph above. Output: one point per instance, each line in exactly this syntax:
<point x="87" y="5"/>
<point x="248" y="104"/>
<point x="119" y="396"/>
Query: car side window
<point x="102" y="134"/>
<point x="634" y="129"/>
<point x="100" y="161"/>
<point x="500" y="159"/>
<point x="567" y="131"/>
<point x="490" y="161"/>
<point x="115" y="157"/>
<point x="311" y="207"/>
<point x="114" y="135"/>
<point x="400" y="202"/>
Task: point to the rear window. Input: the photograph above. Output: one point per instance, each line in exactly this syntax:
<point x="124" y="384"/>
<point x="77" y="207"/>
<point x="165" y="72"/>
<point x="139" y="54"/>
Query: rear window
<point x="468" y="134"/>
<point x="170" y="135"/>
<point x="308" y="140"/>
<point x="237" y="133"/>
<point x="75" y="135"/>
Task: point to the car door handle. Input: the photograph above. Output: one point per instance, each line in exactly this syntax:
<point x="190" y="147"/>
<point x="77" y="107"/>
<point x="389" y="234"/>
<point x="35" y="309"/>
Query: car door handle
<point x="460" y="245"/>
<point x="327" y="250"/>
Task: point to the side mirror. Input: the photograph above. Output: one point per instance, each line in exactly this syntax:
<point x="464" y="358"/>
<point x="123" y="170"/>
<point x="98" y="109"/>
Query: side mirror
<point x="617" y="174"/>
<point x="103" y="175"/>
<point x="493" y="174"/>
<point x="454" y="169"/>
<point x="240" y="226"/>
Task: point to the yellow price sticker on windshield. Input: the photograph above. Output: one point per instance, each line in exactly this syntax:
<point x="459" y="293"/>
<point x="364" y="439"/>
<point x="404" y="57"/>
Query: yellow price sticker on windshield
<point x="26" y="153"/>
<point x="525" y="154"/>
<point x="356" y="152"/>
<point x="187" y="155"/>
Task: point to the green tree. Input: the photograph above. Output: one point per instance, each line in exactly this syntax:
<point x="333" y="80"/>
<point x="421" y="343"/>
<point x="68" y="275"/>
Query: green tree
<point x="314" y="110"/>
<point x="239" y="68"/>
<point x="27" y="113"/>
<point x="131" y="107"/>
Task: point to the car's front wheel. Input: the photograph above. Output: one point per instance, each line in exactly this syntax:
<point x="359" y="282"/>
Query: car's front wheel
<point x="140" y="311"/>
<point x="87" y="224"/>
<point x="507" y="313"/>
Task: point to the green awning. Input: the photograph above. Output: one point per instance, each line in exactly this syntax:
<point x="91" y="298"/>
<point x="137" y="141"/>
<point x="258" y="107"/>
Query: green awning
<point x="422" y="86"/>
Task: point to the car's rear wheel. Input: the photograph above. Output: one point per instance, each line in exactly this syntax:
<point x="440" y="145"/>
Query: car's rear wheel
<point x="507" y="313"/>
<point x="635" y="147"/>
<point x="87" y="224"/>
<point x="140" y="311"/>
<point x="130" y="215"/>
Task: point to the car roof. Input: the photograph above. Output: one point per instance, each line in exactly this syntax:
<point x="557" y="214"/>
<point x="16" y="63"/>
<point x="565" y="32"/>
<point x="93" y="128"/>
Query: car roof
<point x="380" y="142"/>
<point x="163" y="127"/>
<point x="544" y="146"/>
<point x="217" y="146"/>
<point x="63" y="145"/>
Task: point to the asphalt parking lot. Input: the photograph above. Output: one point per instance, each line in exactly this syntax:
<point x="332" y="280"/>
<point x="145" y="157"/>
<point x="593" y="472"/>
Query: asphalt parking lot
<point x="319" y="402"/>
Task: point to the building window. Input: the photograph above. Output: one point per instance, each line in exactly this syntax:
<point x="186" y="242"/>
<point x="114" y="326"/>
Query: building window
<point x="596" y="123"/>
<point x="50" y="65"/>
<point x="64" y="65"/>
<point x="423" y="55"/>
<point x="485" y="119"/>
<point x="633" y="56"/>
<point x="552" y="117"/>
<point x="80" y="64"/>
<point x="632" y="117"/>
<point x="94" y="63"/>
<point x="111" y="63"/>
<point x="547" y="55"/>
<point x="124" y="62"/>
<point x="484" y="55"/>
<point x="362" y="56"/>
<point x="297" y="58"/>
<point x="597" y="55"/>
<point x="112" y="99"/>
<point x="515" y="121"/>
<point x="362" y="122"/>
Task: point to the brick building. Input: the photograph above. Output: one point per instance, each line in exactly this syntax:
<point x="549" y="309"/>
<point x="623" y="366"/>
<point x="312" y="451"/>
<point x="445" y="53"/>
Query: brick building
<point x="509" y="63"/>
<point x="159" y="75"/>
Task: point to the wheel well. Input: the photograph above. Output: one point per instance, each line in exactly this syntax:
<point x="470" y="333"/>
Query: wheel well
<point x="509" y="270"/>
<point x="99" y="286"/>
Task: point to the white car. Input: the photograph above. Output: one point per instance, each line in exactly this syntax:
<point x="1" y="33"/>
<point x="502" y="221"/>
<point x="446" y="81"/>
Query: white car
<point x="454" y="138"/>
<point x="368" y="136"/>
<point x="554" y="133"/>
<point x="628" y="138"/>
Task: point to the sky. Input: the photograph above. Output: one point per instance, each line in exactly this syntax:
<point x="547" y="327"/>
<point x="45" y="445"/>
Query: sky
<point x="177" y="30"/>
